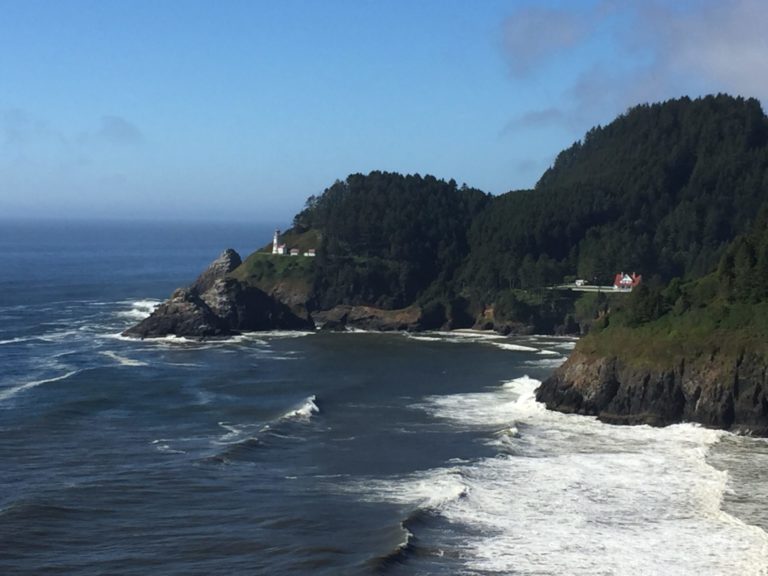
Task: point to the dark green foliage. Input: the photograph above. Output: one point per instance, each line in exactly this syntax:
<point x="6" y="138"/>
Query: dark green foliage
<point x="742" y="274"/>
<point x="661" y="190"/>
<point x="543" y="310"/>
<point x="511" y="305"/>
<point x="646" y="304"/>
<point x="387" y="238"/>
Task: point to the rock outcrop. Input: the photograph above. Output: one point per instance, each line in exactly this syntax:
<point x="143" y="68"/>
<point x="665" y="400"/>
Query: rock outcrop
<point x="245" y="307"/>
<point x="370" y="318"/>
<point x="216" y="305"/>
<point x="716" y="390"/>
<point x="218" y="269"/>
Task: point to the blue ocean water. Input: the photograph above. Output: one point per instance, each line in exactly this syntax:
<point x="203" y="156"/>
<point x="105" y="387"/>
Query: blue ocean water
<point x="312" y="453"/>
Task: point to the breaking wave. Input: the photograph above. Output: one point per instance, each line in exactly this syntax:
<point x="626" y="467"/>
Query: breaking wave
<point x="602" y="499"/>
<point x="139" y="309"/>
<point x="304" y="412"/>
<point x="240" y="440"/>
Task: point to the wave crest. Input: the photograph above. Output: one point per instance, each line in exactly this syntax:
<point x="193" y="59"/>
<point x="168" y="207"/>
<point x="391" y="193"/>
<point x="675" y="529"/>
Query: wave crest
<point x="303" y="412"/>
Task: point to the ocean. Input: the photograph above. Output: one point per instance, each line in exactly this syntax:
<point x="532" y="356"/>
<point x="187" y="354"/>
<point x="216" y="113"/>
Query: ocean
<point x="324" y="454"/>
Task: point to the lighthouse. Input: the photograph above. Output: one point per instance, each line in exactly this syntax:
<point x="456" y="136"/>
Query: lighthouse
<point x="277" y="248"/>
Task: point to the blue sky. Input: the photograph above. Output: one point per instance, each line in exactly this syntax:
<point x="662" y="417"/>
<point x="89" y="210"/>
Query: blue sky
<point x="242" y="109"/>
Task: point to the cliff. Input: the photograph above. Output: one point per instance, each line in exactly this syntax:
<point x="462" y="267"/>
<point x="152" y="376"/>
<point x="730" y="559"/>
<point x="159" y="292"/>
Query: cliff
<point x="716" y="389"/>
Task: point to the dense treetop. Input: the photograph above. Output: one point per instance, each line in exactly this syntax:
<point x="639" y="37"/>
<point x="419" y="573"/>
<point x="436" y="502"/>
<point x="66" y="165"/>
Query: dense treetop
<point x="661" y="190"/>
<point x="386" y="238"/>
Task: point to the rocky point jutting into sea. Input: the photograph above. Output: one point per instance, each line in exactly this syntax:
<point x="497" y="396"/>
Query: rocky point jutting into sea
<point x="215" y="306"/>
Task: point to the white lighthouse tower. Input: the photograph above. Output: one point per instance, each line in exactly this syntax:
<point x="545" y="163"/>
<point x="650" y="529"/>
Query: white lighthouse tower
<point x="277" y="248"/>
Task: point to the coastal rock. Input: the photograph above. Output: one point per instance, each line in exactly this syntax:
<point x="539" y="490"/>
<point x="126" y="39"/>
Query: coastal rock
<point x="244" y="307"/>
<point x="716" y="390"/>
<point x="555" y="319"/>
<point x="219" y="268"/>
<point x="369" y="318"/>
<point x="216" y="305"/>
<point x="183" y="314"/>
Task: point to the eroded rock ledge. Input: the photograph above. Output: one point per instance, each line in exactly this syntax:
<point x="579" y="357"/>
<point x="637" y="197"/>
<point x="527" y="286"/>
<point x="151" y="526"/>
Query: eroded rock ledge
<point x="344" y="317"/>
<point x="716" y="390"/>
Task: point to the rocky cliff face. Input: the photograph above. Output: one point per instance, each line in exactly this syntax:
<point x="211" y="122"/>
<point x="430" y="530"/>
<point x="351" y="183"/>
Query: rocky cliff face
<point x="715" y="390"/>
<point x="369" y="318"/>
<point x="183" y="314"/>
<point x="218" y="269"/>
<point x="216" y="305"/>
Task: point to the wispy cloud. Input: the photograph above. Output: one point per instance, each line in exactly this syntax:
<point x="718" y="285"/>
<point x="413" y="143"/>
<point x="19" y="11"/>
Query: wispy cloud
<point x="535" y="119"/>
<point x="14" y="124"/>
<point x="19" y="128"/>
<point x="119" y="131"/>
<point x="33" y="148"/>
<point x="722" y="43"/>
<point x="659" y="50"/>
<point x="533" y="35"/>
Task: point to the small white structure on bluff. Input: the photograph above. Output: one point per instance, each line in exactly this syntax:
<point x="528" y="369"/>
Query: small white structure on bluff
<point x="277" y="248"/>
<point x="281" y="250"/>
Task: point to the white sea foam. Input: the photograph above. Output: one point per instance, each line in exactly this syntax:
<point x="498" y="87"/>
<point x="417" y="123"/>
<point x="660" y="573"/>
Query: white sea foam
<point x="570" y="495"/>
<point x="465" y="336"/>
<point x="123" y="360"/>
<point x="58" y="336"/>
<point x="170" y="341"/>
<point x="461" y="336"/>
<point x="422" y="338"/>
<point x="242" y="434"/>
<point x="250" y="337"/>
<point x="514" y="347"/>
<point x="470" y="334"/>
<point x="548" y="353"/>
<point x="139" y="309"/>
<point x="548" y="362"/>
<point x="429" y="490"/>
<point x="283" y="334"/>
<point x="304" y="411"/>
<point x="234" y="432"/>
<point x="162" y="446"/>
<point x="18" y="340"/>
<point x="14" y="390"/>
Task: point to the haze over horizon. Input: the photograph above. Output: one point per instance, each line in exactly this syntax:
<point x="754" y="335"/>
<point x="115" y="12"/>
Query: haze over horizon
<point x="192" y="110"/>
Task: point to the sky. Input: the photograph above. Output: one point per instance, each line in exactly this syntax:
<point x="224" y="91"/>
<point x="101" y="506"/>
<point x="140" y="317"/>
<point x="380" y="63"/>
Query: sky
<point x="240" y="110"/>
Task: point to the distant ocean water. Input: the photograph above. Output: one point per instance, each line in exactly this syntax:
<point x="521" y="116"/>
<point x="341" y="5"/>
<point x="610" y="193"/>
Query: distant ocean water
<point x="301" y="453"/>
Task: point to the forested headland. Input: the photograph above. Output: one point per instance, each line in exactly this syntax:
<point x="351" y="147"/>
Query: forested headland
<point x="671" y="190"/>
